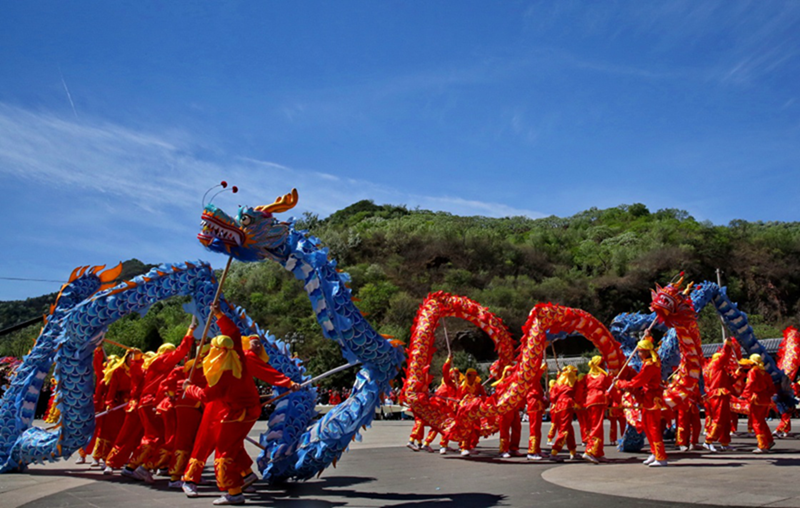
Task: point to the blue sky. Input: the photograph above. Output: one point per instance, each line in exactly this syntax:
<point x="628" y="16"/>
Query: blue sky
<point x="115" y="117"/>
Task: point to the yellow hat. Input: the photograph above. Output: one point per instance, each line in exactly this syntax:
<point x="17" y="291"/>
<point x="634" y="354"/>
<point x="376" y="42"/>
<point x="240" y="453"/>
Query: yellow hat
<point x="594" y="365"/>
<point x="757" y="360"/>
<point x="165" y="347"/>
<point x="221" y="358"/>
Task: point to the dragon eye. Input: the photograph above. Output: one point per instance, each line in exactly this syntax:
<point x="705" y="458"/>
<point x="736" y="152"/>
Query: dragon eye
<point x="246" y="220"/>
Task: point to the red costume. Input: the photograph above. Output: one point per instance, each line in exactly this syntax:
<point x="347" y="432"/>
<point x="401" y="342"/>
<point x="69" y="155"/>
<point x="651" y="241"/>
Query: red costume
<point x="470" y="388"/>
<point x="131" y="432"/>
<point x="151" y="451"/>
<point x="536" y="406"/>
<point x="616" y="414"/>
<point x="646" y="387"/>
<point x="597" y="383"/>
<point x="562" y="399"/>
<point x="232" y="384"/>
<point x="759" y="391"/>
<point x="718" y="396"/>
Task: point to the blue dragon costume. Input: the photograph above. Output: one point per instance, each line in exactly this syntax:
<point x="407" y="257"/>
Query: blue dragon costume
<point x="294" y="446"/>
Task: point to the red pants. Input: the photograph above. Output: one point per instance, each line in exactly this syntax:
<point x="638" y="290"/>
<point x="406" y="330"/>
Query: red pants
<point x="187" y="422"/>
<point x="230" y="457"/>
<point x="418" y="431"/>
<point x="594" y="430"/>
<point x="130" y="435"/>
<point x="204" y="443"/>
<point x="582" y="415"/>
<point x="720" y="429"/>
<point x="563" y="423"/>
<point x="786" y="423"/>
<point x="759" y="416"/>
<point x="688" y="423"/>
<point x="510" y="430"/>
<point x="616" y="421"/>
<point x="108" y="433"/>
<point x="535" y="427"/>
<point x="651" y="421"/>
<point x="170" y="422"/>
<point x="432" y="435"/>
<point x="151" y="449"/>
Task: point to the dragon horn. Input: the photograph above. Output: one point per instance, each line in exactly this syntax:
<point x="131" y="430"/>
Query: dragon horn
<point x="281" y="204"/>
<point x="688" y="289"/>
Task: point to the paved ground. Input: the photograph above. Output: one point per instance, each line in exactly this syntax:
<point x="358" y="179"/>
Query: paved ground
<point x="380" y="471"/>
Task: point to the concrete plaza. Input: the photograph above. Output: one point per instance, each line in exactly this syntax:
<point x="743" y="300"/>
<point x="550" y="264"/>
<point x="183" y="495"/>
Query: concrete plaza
<point x="381" y="471"/>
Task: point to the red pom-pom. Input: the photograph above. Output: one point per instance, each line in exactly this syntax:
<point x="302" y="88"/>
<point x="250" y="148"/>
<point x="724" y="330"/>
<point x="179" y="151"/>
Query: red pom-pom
<point x="235" y="189"/>
<point x="224" y="184"/>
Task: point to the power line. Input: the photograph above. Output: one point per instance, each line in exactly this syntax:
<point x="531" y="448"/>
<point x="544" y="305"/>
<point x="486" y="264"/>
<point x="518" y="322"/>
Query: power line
<point x="31" y="280"/>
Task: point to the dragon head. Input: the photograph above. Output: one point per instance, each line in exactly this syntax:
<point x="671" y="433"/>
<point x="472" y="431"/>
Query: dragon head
<point x="672" y="305"/>
<point x="253" y="235"/>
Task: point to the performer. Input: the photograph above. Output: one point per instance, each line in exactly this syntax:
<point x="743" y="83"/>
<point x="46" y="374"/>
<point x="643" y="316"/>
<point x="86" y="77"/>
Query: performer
<point x="687" y="435"/>
<point x="151" y="450"/>
<point x="188" y="415"/>
<point x="718" y="398"/>
<point x="597" y="383"/>
<point x="551" y="432"/>
<point x="580" y="407"/>
<point x="562" y="399"/>
<point x="646" y="387"/>
<point x="131" y="432"/>
<point x="447" y="391"/>
<point x="759" y="391"/>
<point x="510" y="424"/>
<point x="536" y="406"/>
<point x="229" y="381"/>
<point x="115" y="394"/>
<point x="616" y="415"/>
<point x="470" y="388"/>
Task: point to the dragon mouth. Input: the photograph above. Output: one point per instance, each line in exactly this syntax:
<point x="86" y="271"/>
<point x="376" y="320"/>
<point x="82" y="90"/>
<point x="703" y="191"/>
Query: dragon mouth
<point x="216" y="229"/>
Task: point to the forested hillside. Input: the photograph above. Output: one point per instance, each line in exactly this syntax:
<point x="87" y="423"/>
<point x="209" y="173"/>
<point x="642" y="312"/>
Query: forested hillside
<point x="603" y="261"/>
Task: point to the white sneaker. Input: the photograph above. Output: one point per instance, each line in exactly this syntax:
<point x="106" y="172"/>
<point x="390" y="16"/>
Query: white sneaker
<point x="162" y="472"/>
<point x="190" y="489"/>
<point x="250" y="489"/>
<point x="588" y="457"/>
<point x="549" y="443"/>
<point x="413" y="446"/>
<point x="95" y="463"/>
<point x="81" y="460"/>
<point x="506" y="455"/>
<point x="683" y="448"/>
<point x="710" y="447"/>
<point x="128" y="472"/>
<point x="658" y="463"/>
<point x="229" y="499"/>
<point x="724" y="448"/>
<point x="649" y="460"/>
<point x="427" y="448"/>
<point x="175" y="485"/>
<point x="534" y="456"/>
<point x="760" y="450"/>
<point x="108" y="470"/>
<point x="465" y="453"/>
<point x="442" y="451"/>
<point x="140" y="473"/>
<point x="695" y="447"/>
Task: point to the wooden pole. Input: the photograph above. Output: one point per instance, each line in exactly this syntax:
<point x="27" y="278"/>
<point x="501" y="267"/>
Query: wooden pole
<point x="446" y="338"/>
<point x="311" y="381"/>
<point x="115" y="343"/>
<point x="208" y="319"/>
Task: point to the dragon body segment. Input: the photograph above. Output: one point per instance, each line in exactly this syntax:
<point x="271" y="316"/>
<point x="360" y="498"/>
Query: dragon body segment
<point x="74" y="328"/>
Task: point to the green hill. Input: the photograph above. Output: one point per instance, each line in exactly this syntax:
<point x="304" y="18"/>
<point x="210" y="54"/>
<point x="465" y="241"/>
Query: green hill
<point x="603" y="261"/>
